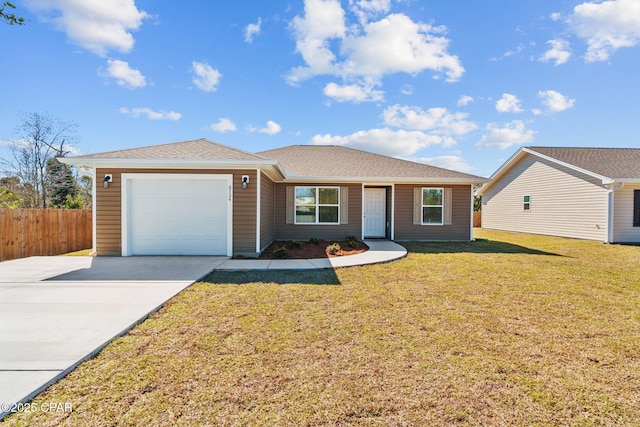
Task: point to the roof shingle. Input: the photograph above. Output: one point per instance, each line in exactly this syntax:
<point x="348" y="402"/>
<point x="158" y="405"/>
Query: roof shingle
<point x="330" y="161"/>
<point x="615" y="163"/>
<point x="195" y="149"/>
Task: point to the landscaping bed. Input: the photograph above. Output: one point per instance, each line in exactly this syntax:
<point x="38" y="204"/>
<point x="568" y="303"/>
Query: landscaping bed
<point x="297" y="249"/>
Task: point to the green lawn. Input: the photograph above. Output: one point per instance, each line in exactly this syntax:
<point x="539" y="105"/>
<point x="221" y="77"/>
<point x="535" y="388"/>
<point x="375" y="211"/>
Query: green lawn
<point x="513" y="329"/>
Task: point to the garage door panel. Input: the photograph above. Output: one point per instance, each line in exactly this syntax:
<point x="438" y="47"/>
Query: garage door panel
<point x="170" y="216"/>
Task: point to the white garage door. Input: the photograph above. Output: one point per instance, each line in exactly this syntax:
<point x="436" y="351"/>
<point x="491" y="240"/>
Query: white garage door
<point x="168" y="214"/>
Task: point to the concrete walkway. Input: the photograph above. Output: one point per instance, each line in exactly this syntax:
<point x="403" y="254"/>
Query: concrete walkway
<point x="379" y="251"/>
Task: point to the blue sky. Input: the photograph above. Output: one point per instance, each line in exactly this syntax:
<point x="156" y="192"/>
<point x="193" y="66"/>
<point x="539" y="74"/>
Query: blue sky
<point x="457" y="84"/>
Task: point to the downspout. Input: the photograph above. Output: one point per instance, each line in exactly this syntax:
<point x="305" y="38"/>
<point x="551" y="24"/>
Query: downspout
<point x="611" y="188"/>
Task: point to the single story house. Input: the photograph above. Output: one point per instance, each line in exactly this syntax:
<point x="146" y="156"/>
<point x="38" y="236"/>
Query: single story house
<point x="584" y="193"/>
<point x="203" y="198"/>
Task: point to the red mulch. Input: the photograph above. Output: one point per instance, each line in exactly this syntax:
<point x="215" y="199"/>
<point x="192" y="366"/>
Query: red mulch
<point x="309" y="250"/>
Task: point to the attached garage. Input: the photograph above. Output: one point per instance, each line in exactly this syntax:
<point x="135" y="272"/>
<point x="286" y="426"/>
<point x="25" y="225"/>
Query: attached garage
<point x="176" y="214"/>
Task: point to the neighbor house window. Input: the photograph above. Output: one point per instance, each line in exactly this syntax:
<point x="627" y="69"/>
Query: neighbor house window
<point x="432" y="206"/>
<point x="526" y="205"/>
<point x="636" y="208"/>
<point x="317" y="205"/>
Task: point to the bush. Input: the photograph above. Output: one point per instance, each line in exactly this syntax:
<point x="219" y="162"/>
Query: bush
<point x="333" y="249"/>
<point x="296" y="243"/>
<point x="281" y="253"/>
<point x="352" y="241"/>
<point x="314" y="240"/>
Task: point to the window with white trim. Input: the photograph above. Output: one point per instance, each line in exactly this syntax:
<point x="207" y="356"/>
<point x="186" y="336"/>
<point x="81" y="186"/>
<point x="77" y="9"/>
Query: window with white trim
<point x="432" y="206"/>
<point x="317" y="205"/>
<point x="526" y="203"/>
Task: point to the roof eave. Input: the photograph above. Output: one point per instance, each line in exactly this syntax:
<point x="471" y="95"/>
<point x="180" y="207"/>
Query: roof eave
<point x="176" y="164"/>
<point x="518" y="155"/>
<point x="379" y="179"/>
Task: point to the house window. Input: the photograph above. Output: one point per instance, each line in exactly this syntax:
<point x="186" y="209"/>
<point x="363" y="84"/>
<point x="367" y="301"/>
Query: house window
<point x="317" y="205"/>
<point x="526" y="205"/>
<point x="432" y="206"/>
<point x="636" y="208"/>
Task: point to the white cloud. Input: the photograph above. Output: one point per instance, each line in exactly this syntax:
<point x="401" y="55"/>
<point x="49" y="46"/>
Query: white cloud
<point x="123" y="74"/>
<point x="437" y="121"/>
<point x="367" y="9"/>
<point x="384" y="141"/>
<point x="252" y="30"/>
<point x="353" y="93"/>
<point x="555" y="101"/>
<point x="272" y="128"/>
<point x="396" y="44"/>
<point x="559" y="52"/>
<point x="367" y="51"/>
<point x="151" y="115"/>
<point x="324" y="20"/>
<point x="452" y="162"/>
<point x="514" y="133"/>
<point x="508" y="104"/>
<point x="206" y="77"/>
<point x="96" y="25"/>
<point x="465" y="100"/>
<point x="223" y="125"/>
<point x="606" y="26"/>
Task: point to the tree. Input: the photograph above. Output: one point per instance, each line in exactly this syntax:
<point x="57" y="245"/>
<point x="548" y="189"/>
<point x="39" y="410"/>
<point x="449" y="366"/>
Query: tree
<point x="10" y="18"/>
<point x="60" y="183"/>
<point x="41" y="138"/>
<point x="9" y="193"/>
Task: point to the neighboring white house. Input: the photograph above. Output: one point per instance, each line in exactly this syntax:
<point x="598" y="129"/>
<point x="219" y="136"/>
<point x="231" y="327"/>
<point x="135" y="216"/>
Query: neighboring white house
<point x="584" y="193"/>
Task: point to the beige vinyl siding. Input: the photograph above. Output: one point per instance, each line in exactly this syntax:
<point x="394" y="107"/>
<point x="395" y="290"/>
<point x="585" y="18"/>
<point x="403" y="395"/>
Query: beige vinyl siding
<point x="406" y="230"/>
<point x="109" y="202"/>
<point x="267" y="214"/>
<point x="623" y="229"/>
<point x="286" y="231"/>
<point x="564" y="202"/>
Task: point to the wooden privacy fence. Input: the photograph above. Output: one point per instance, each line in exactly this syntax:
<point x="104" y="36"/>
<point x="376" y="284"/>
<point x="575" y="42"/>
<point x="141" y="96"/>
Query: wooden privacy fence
<point x="477" y="219"/>
<point x="31" y="232"/>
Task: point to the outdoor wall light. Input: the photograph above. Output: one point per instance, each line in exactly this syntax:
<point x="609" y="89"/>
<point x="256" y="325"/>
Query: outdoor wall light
<point x="107" y="179"/>
<point x="245" y="181"/>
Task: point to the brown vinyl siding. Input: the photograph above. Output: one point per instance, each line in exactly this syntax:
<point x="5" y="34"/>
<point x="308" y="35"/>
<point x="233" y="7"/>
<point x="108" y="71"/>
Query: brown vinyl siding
<point x="284" y="231"/>
<point x="109" y="208"/>
<point x="460" y="227"/>
<point x="267" y="214"/>
<point x="244" y="212"/>
<point x="108" y="214"/>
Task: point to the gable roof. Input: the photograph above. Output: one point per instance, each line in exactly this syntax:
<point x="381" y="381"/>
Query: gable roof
<point x="337" y="163"/>
<point x="298" y="162"/>
<point x="607" y="164"/>
<point x="194" y="154"/>
<point x="613" y="163"/>
<point x="196" y="149"/>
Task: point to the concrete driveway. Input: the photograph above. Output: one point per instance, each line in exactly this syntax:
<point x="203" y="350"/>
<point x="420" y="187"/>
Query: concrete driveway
<point x="57" y="311"/>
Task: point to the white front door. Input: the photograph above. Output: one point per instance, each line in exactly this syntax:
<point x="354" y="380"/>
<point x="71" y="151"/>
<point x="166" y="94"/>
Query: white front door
<point x="375" y="210"/>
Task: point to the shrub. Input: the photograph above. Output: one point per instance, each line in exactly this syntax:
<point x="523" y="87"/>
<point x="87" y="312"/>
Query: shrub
<point x="314" y="240"/>
<point x="333" y="249"/>
<point x="352" y="241"/>
<point x="296" y="243"/>
<point x="281" y="253"/>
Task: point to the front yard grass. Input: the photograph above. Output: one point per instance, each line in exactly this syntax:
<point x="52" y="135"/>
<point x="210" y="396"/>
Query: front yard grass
<point x="513" y="329"/>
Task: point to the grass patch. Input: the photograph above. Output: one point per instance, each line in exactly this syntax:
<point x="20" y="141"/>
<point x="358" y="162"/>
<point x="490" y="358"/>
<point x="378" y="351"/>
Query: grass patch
<point x="514" y="329"/>
<point x="83" y="252"/>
